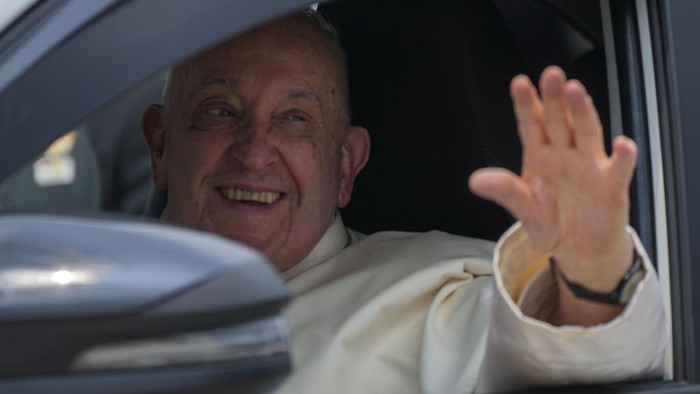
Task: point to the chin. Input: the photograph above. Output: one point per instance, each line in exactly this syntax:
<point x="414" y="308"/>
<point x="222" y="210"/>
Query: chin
<point x="258" y="243"/>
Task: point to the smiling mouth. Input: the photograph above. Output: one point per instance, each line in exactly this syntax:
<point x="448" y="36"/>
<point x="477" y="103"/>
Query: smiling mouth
<point x="236" y="194"/>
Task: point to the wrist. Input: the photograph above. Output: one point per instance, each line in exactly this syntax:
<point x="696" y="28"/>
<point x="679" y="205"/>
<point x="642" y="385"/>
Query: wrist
<point x="618" y="295"/>
<point x="597" y="268"/>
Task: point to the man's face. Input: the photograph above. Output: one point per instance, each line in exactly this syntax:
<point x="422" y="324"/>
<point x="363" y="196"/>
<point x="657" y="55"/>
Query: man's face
<point x="257" y="145"/>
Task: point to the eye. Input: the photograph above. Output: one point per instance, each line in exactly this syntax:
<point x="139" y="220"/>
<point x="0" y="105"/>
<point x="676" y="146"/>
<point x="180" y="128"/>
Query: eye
<point x="295" y="116"/>
<point x="295" y="122"/>
<point x="225" y="112"/>
<point x="215" y="115"/>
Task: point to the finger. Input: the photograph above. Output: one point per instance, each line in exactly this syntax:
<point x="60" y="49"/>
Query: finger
<point x="528" y="112"/>
<point x="504" y="188"/>
<point x="623" y="159"/>
<point x="588" y="132"/>
<point x="557" y="115"/>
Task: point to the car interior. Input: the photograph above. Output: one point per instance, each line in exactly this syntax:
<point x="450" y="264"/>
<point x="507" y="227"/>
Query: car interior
<point x="431" y="85"/>
<point x="432" y="92"/>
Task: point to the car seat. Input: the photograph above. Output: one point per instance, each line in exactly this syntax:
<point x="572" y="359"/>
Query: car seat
<point x="430" y="81"/>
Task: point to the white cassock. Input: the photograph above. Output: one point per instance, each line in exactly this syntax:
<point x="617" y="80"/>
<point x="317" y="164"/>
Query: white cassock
<point x="399" y="312"/>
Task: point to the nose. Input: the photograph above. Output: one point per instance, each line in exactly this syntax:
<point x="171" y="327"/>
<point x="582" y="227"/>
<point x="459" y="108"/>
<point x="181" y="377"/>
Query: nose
<point x="253" y="147"/>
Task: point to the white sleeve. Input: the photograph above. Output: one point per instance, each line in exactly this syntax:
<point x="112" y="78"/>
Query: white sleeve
<point x="522" y="351"/>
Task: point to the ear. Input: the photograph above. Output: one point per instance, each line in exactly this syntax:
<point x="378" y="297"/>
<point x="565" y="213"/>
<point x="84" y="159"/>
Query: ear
<point x="355" y="152"/>
<point x="153" y="129"/>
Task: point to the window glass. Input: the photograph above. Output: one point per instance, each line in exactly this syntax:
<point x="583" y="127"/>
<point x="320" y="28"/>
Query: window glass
<point x="103" y="164"/>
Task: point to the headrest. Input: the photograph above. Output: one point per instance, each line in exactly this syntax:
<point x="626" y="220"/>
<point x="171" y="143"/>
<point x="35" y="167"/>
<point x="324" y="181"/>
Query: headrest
<point x="430" y="81"/>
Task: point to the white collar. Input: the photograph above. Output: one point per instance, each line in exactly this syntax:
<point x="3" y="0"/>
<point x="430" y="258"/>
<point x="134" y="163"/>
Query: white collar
<point x="334" y="240"/>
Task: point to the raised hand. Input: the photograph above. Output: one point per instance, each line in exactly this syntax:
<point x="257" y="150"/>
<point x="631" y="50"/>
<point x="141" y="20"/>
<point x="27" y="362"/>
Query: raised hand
<point x="571" y="197"/>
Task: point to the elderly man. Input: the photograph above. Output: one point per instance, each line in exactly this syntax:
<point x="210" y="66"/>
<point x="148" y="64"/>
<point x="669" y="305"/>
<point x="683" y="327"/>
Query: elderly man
<point x="254" y="142"/>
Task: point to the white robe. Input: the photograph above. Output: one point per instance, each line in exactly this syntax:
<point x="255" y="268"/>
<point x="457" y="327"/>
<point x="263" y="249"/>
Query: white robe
<point x="400" y="312"/>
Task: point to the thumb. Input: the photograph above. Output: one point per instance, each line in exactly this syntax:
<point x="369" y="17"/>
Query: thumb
<point x="505" y="189"/>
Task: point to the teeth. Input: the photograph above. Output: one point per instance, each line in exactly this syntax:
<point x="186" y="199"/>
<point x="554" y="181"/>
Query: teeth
<point x="247" y="195"/>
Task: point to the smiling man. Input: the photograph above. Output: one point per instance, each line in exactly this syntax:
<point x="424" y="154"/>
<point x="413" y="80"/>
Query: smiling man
<point x="275" y="182"/>
<point x="254" y="143"/>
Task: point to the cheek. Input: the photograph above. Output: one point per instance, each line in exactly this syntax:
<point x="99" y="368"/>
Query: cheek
<point x="192" y="158"/>
<point x="309" y="157"/>
<point x="317" y="172"/>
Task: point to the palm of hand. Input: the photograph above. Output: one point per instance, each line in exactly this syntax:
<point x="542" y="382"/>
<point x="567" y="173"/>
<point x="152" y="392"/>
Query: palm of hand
<point x="571" y="198"/>
<point x="574" y="205"/>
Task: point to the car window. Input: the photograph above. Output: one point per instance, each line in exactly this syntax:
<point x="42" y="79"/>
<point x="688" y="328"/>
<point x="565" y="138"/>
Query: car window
<point x="63" y="177"/>
<point x="115" y="173"/>
<point x="111" y="136"/>
<point x="103" y="164"/>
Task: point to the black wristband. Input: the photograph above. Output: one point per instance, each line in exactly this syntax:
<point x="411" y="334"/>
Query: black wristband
<point x="622" y="292"/>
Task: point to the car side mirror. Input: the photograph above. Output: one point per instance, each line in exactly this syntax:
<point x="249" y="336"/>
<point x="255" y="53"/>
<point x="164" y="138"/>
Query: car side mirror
<point x="102" y="304"/>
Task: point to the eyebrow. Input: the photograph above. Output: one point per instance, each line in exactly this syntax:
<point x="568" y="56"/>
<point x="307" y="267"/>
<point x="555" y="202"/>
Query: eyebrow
<point x="221" y="81"/>
<point x="303" y="94"/>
